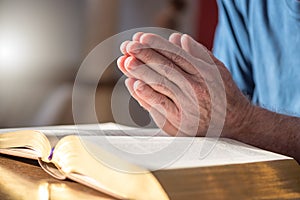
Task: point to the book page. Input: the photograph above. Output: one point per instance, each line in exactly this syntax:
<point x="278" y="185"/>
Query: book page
<point x="154" y="149"/>
<point x="92" y="129"/>
<point x="55" y="133"/>
<point x="156" y="153"/>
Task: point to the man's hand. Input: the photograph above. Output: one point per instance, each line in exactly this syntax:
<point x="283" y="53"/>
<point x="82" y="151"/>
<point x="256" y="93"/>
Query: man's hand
<point x="188" y="91"/>
<point x="182" y="85"/>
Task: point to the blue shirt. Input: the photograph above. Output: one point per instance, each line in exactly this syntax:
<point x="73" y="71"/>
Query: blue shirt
<point x="259" y="42"/>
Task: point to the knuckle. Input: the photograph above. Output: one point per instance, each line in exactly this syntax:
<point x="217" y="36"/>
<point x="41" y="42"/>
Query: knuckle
<point x="159" y="82"/>
<point x="168" y="68"/>
<point x="147" y="55"/>
<point x="157" y="100"/>
<point x="163" y="85"/>
<point x="177" y="58"/>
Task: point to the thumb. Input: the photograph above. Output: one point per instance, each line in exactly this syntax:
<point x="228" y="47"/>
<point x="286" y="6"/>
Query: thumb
<point x="196" y="49"/>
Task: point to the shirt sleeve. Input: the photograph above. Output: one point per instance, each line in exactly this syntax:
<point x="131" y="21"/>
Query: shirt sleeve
<point x="232" y="42"/>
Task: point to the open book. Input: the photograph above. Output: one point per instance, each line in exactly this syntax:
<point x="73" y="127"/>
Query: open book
<point x="120" y="160"/>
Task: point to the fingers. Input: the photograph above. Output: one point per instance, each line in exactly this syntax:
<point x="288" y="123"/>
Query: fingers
<point x="138" y="70"/>
<point x="137" y="36"/>
<point x="123" y="47"/>
<point x="157" y="62"/>
<point x="159" y="118"/>
<point x="180" y="56"/>
<point x="175" y="38"/>
<point x="155" y="99"/>
<point x="129" y="82"/>
<point x="196" y="49"/>
<point x="162" y="122"/>
<point x="203" y="55"/>
<point x="191" y="46"/>
<point x="121" y="65"/>
<point x="172" y="52"/>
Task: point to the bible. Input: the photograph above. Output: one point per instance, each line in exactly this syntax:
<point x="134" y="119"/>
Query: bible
<point x="127" y="162"/>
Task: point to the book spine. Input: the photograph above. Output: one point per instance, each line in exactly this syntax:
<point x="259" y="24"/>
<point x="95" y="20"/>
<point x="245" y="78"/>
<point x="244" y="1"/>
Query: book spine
<point x="52" y="169"/>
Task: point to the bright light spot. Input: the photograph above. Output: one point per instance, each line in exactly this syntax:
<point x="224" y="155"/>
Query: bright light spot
<point x="6" y="53"/>
<point x="10" y="51"/>
<point x="43" y="191"/>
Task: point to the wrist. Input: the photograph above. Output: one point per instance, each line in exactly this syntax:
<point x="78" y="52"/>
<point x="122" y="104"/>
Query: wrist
<point x="257" y="121"/>
<point x="247" y="122"/>
<point x="240" y="121"/>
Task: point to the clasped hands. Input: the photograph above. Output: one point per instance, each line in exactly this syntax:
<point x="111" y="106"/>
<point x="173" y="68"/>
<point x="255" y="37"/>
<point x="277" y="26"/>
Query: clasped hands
<point x="182" y="85"/>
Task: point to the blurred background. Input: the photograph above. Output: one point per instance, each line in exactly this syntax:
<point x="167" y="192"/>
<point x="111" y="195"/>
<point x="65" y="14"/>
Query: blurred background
<point x="43" y="43"/>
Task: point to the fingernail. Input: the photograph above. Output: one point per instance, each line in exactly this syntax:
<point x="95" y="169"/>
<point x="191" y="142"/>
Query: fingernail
<point x="147" y="38"/>
<point x="138" y="85"/>
<point x="123" y="47"/>
<point x="127" y="84"/>
<point x="119" y="61"/>
<point x="137" y="36"/>
<point x="134" y="47"/>
<point x="127" y="65"/>
<point x="126" y="81"/>
<point x="131" y="63"/>
<point x="126" y="62"/>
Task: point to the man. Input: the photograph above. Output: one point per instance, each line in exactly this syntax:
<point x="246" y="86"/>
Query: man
<point x="176" y="80"/>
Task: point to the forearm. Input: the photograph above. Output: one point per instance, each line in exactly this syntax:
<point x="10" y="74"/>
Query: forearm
<point x="272" y="131"/>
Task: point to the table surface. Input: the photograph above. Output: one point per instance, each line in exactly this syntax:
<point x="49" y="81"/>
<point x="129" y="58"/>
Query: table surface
<point x="24" y="179"/>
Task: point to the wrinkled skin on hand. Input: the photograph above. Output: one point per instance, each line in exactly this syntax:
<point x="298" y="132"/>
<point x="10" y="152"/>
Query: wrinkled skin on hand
<point x="184" y="87"/>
